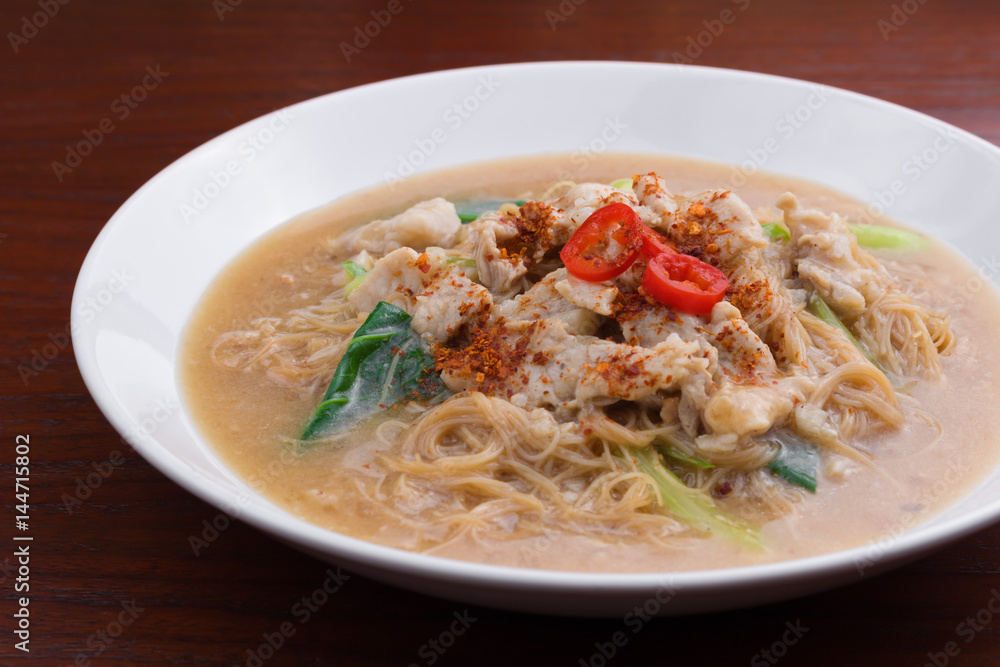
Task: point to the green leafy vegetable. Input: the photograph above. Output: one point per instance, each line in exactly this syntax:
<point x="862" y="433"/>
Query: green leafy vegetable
<point x="672" y="453"/>
<point x="384" y="365"/>
<point x="670" y="449"/>
<point x="469" y="211"/>
<point x="462" y="261"/>
<point x="689" y="505"/>
<point x="886" y="238"/>
<point x="357" y="274"/>
<point x="818" y="307"/>
<point x="797" y="461"/>
<point x="776" y="231"/>
<point x="622" y="184"/>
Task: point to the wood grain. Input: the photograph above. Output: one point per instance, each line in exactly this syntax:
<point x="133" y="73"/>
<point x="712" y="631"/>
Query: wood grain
<point x="127" y="543"/>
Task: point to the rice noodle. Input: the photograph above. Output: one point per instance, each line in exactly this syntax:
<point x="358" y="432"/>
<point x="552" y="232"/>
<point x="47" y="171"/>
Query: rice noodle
<point x="478" y="465"/>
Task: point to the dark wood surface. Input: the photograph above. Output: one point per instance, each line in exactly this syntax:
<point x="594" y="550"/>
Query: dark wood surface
<point x="123" y="553"/>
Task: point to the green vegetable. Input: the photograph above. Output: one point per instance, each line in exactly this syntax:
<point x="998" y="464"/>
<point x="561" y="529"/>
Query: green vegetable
<point x="672" y="453"/>
<point x="669" y="449"/>
<point x="469" y="211"/>
<point x="622" y="184"/>
<point x="357" y="274"/>
<point x="797" y="461"/>
<point x="462" y="261"/>
<point x="776" y="231"/>
<point x="384" y="365"/>
<point x="689" y="505"/>
<point x="818" y="307"/>
<point x="886" y="238"/>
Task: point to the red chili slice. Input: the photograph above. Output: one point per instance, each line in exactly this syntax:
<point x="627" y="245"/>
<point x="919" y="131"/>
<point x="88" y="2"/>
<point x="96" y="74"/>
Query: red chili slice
<point x="684" y="283"/>
<point x="588" y="254"/>
<point x="653" y="244"/>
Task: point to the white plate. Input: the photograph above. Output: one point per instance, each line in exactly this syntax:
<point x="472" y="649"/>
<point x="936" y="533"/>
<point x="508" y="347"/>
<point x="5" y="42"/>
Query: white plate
<point x="151" y="263"/>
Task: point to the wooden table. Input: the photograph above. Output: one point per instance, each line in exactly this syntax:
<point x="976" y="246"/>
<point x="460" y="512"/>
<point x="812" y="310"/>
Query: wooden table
<point x="113" y="578"/>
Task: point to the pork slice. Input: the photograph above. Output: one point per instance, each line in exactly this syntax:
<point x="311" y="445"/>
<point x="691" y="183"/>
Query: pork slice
<point x="500" y="271"/>
<point x="742" y="355"/>
<point x="547" y="298"/>
<point x="748" y="410"/>
<point x="828" y="258"/>
<point x="438" y="295"/>
<point x="719" y="228"/>
<point x="541" y="364"/>
<point x="430" y="223"/>
<point x="652" y="192"/>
